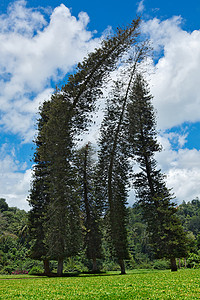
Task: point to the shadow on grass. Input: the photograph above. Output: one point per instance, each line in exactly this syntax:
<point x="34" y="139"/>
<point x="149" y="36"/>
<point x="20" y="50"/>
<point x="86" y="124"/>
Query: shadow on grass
<point x="54" y="275"/>
<point x="79" y="274"/>
<point x="86" y="274"/>
<point x="101" y="273"/>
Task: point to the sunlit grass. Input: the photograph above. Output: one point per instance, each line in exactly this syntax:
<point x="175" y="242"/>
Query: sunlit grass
<point x="139" y="284"/>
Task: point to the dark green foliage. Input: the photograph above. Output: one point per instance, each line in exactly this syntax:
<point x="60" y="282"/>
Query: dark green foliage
<point x="14" y="221"/>
<point x="3" y="204"/>
<point x="13" y="239"/>
<point x="113" y="169"/>
<point x="15" y="245"/>
<point x="62" y="228"/>
<point x="189" y="214"/>
<point x="193" y="260"/>
<point x="165" y="231"/>
<point x="161" y="265"/>
<point x="84" y="87"/>
<point x="39" y="194"/>
<point x="114" y="154"/>
<point x="35" y="270"/>
<point x="91" y="207"/>
<point x="138" y="237"/>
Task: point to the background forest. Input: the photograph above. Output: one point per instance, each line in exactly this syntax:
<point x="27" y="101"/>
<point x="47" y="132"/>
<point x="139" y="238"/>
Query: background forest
<point x="15" y="243"/>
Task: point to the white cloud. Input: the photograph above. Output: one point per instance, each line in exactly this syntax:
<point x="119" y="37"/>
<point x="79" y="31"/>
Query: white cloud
<point x="33" y="52"/>
<point x="140" y="7"/>
<point x="176" y="90"/>
<point x="22" y="115"/>
<point x="15" y="187"/>
<point x="175" y="81"/>
<point x="185" y="183"/>
<point x="182" y="170"/>
<point x="21" y="20"/>
<point x="15" y="178"/>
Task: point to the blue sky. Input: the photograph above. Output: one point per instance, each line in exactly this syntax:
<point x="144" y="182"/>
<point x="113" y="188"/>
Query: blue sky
<point x="41" y="41"/>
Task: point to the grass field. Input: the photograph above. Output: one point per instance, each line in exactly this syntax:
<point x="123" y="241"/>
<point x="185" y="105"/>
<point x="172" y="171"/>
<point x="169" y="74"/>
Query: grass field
<point x="137" y="284"/>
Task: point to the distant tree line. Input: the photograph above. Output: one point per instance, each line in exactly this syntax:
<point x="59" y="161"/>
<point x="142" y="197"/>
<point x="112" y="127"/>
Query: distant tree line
<point x="16" y="243"/>
<point x="78" y="198"/>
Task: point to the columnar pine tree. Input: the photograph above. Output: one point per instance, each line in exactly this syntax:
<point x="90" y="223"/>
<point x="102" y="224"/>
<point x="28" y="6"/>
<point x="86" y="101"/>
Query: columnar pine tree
<point x="113" y="168"/>
<point x="39" y="198"/>
<point x="63" y="225"/>
<point x="69" y="115"/>
<point x="114" y="155"/>
<point x="91" y="207"/>
<point x="166" y="233"/>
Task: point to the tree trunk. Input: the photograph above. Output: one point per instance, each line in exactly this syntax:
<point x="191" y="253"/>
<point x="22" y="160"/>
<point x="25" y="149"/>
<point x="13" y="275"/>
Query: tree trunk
<point x="185" y="262"/>
<point x="94" y="266"/>
<point x="173" y="264"/>
<point x="122" y="266"/>
<point x="179" y="263"/>
<point x="60" y="267"/>
<point x="47" y="270"/>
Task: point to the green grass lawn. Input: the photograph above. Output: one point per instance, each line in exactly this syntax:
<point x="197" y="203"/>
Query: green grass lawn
<point x="137" y="284"/>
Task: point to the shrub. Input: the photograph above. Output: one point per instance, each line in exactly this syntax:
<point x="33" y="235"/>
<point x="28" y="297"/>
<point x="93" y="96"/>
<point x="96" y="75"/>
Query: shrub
<point x="161" y="264"/>
<point x="72" y="265"/>
<point x="29" y="263"/>
<point x="193" y="261"/>
<point x="6" y="270"/>
<point x="35" y="270"/>
<point x="143" y="265"/>
<point x="110" y="266"/>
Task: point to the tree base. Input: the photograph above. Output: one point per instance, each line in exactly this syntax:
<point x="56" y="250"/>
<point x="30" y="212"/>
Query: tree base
<point x="173" y="264"/>
<point x="47" y="270"/>
<point x="60" y="267"/>
<point x="122" y="266"/>
<point x="94" y="265"/>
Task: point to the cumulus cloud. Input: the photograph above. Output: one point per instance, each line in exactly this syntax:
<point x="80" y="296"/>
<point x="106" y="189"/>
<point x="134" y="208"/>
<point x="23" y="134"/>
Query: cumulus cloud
<point x="175" y="81"/>
<point x="185" y="183"/>
<point x="175" y="86"/>
<point x="15" y="187"/>
<point x="182" y="169"/>
<point x="34" y="52"/>
<point x="15" y="178"/>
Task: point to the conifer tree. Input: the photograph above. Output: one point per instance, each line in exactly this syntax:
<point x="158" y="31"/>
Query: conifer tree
<point x="39" y="198"/>
<point x="63" y="226"/>
<point x="114" y="153"/>
<point x="114" y="186"/>
<point x="166" y="233"/>
<point x="91" y="207"/>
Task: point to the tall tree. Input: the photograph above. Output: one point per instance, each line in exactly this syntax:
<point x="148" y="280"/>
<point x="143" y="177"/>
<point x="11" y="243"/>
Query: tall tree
<point x="166" y="233"/>
<point x="114" y="153"/>
<point x="91" y="207"/>
<point x="62" y="229"/>
<point x="114" y="179"/>
<point x="69" y="115"/>
<point x="39" y="198"/>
